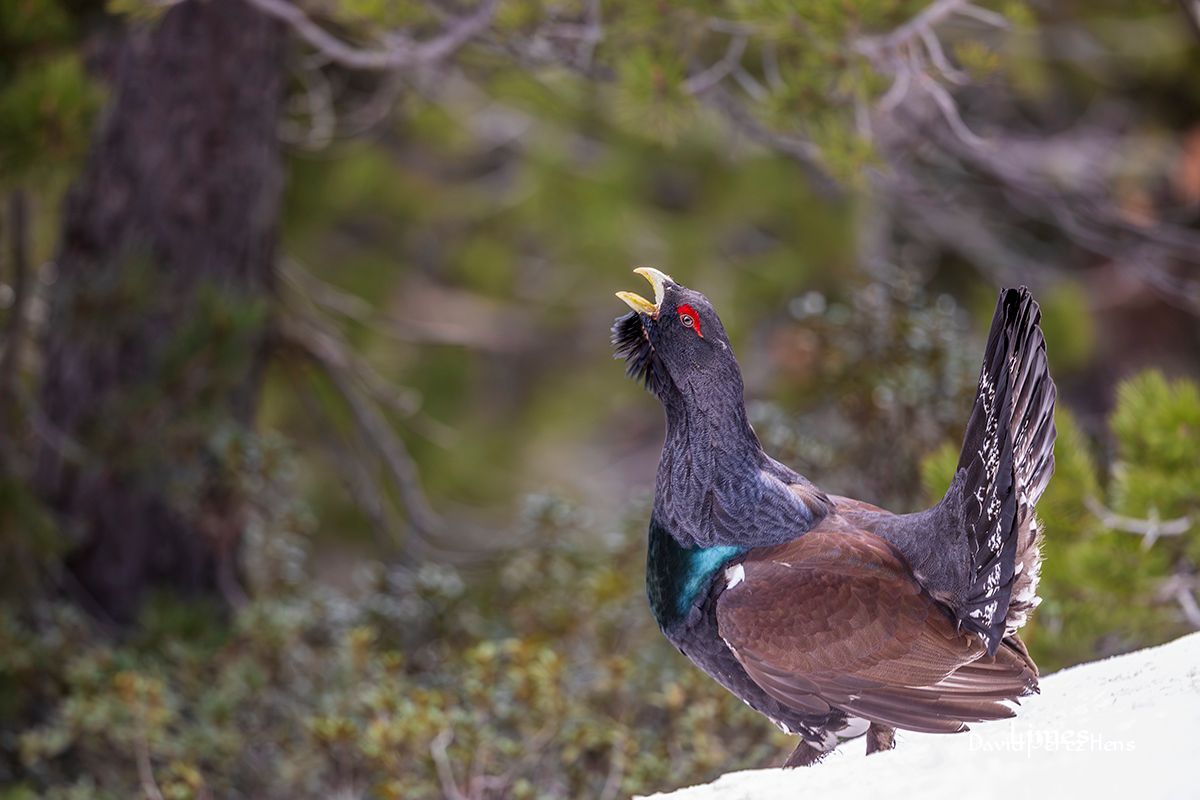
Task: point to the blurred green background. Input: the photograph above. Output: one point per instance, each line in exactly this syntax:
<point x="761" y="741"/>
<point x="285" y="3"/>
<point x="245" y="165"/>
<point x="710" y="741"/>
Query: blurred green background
<point x="370" y="522"/>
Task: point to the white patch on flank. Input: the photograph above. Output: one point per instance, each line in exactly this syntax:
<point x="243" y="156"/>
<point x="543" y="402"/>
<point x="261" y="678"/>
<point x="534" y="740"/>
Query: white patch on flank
<point x="855" y="726"/>
<point x="734" y="575"/>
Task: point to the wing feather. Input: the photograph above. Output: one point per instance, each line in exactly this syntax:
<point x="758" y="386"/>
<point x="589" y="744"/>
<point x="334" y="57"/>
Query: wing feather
<point x="834" y="619"/>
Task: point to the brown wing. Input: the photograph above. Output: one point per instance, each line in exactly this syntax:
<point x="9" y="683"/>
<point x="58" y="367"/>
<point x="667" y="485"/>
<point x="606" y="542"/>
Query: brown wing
<point x="834" y="620"/>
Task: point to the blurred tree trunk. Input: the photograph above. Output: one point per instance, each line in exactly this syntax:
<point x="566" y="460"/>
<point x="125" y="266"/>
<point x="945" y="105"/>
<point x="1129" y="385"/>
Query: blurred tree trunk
<point x="159" y="311"/>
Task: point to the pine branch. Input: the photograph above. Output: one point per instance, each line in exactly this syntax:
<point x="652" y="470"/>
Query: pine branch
<point x="401" y="52"/>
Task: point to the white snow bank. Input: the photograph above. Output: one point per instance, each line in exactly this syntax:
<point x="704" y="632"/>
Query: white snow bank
<point x="1126" y="727"/>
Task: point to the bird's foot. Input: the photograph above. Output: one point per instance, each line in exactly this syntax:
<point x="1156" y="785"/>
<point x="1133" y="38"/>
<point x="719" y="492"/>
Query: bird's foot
<point x="805" y="755"/>
<point x="880" y="738"/>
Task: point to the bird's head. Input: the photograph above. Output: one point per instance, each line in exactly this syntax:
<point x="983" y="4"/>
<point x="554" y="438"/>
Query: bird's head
<point x="675" y="344"/>
<point x="715" y="485"/>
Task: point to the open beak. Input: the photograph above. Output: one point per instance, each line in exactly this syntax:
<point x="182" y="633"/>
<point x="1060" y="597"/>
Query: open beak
<point x="640" y="304"/>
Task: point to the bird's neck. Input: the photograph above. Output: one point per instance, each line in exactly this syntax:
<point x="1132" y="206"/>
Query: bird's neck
<point x="712" y="422"/>
<point x="709" y="456"/>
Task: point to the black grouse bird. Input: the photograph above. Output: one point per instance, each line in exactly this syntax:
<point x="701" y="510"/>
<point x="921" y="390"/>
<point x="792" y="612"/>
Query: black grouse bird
<point x="830" y="616"/>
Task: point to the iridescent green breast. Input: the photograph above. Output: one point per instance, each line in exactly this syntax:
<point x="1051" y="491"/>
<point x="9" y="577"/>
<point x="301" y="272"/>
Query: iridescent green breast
<point x="677" y="577"/>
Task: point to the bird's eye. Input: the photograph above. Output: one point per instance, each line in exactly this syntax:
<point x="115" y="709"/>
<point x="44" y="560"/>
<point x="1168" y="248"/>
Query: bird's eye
<point x="690" y="319"/>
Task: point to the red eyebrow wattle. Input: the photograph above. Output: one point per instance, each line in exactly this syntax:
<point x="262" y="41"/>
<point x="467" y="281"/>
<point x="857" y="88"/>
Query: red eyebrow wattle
<point x="691" y="312"/>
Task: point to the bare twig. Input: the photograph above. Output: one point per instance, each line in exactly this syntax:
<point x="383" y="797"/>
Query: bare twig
<point x="145" y="768"/>
<point x="594" y="33"/>
<point x="937" y="55"/>
<point x="1191" y="10"/>
<point x="1187" y="602"/>
<point x="770" y="62"/>
<point x="1060" y="178"/>
<point x="1150" y="529"/>
<point x="58" y="440"/>
<point x="802" y="151"/>
<point x="884" y="50"/>
<point x="1180" y="587"/>
<point x="335" y="360"/>
<point x="983" y="15"/>
<point x="400" y="52"/>
<point x="616" y="771"/>
<point x="530" y="754"/>
<point x="956" y="223"/>
<point x="907" y="52"/>
<point x="344" y="371"/>
<point x="898" y="91"/>
<point x="438" y="751"/>
<point x="749" y="84"/>
<point x="701" y="82"/>
<point x="464" y="318"/>
<point x="732" y="27"/>
<point x="325" y="294"/>
<point x="950" y="112"/>
<point x="373" y="111"/>
<point x="355" y="473"/>
<point x="318" y="110"/>
<point x="323" y="297"/>
<point x="930" y="16"/>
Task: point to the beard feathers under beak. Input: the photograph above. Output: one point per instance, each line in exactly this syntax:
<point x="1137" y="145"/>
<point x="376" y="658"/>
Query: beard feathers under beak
<point x="631" y="343"/>
<point x="630" y="339"/>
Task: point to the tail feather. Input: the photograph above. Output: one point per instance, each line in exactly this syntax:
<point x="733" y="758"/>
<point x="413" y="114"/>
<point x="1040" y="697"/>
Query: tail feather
<point x="1006" y="462"/>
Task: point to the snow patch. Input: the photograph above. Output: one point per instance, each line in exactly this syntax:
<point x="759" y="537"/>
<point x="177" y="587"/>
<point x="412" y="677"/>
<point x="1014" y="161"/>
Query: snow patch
<point x="1125" y="726"/>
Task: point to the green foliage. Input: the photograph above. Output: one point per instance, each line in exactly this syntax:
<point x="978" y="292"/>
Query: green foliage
<point x="310" y="691"/>
<point x="375" y="13"/>
<point x="652" y="100"/>
<point x="28" y="537"/>
<point x="1068" y="325"/>
<point x="1157" y="432"/>
<point x="46" y="100"/>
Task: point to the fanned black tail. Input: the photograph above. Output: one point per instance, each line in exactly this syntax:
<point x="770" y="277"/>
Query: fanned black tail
<point x="1007" y="459"/>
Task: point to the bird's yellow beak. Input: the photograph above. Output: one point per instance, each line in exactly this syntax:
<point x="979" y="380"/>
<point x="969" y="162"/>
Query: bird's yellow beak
<point x="640" y="304"/>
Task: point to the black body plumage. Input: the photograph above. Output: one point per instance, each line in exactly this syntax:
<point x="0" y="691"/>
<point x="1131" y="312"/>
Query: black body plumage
<point x="727" y="519"/>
